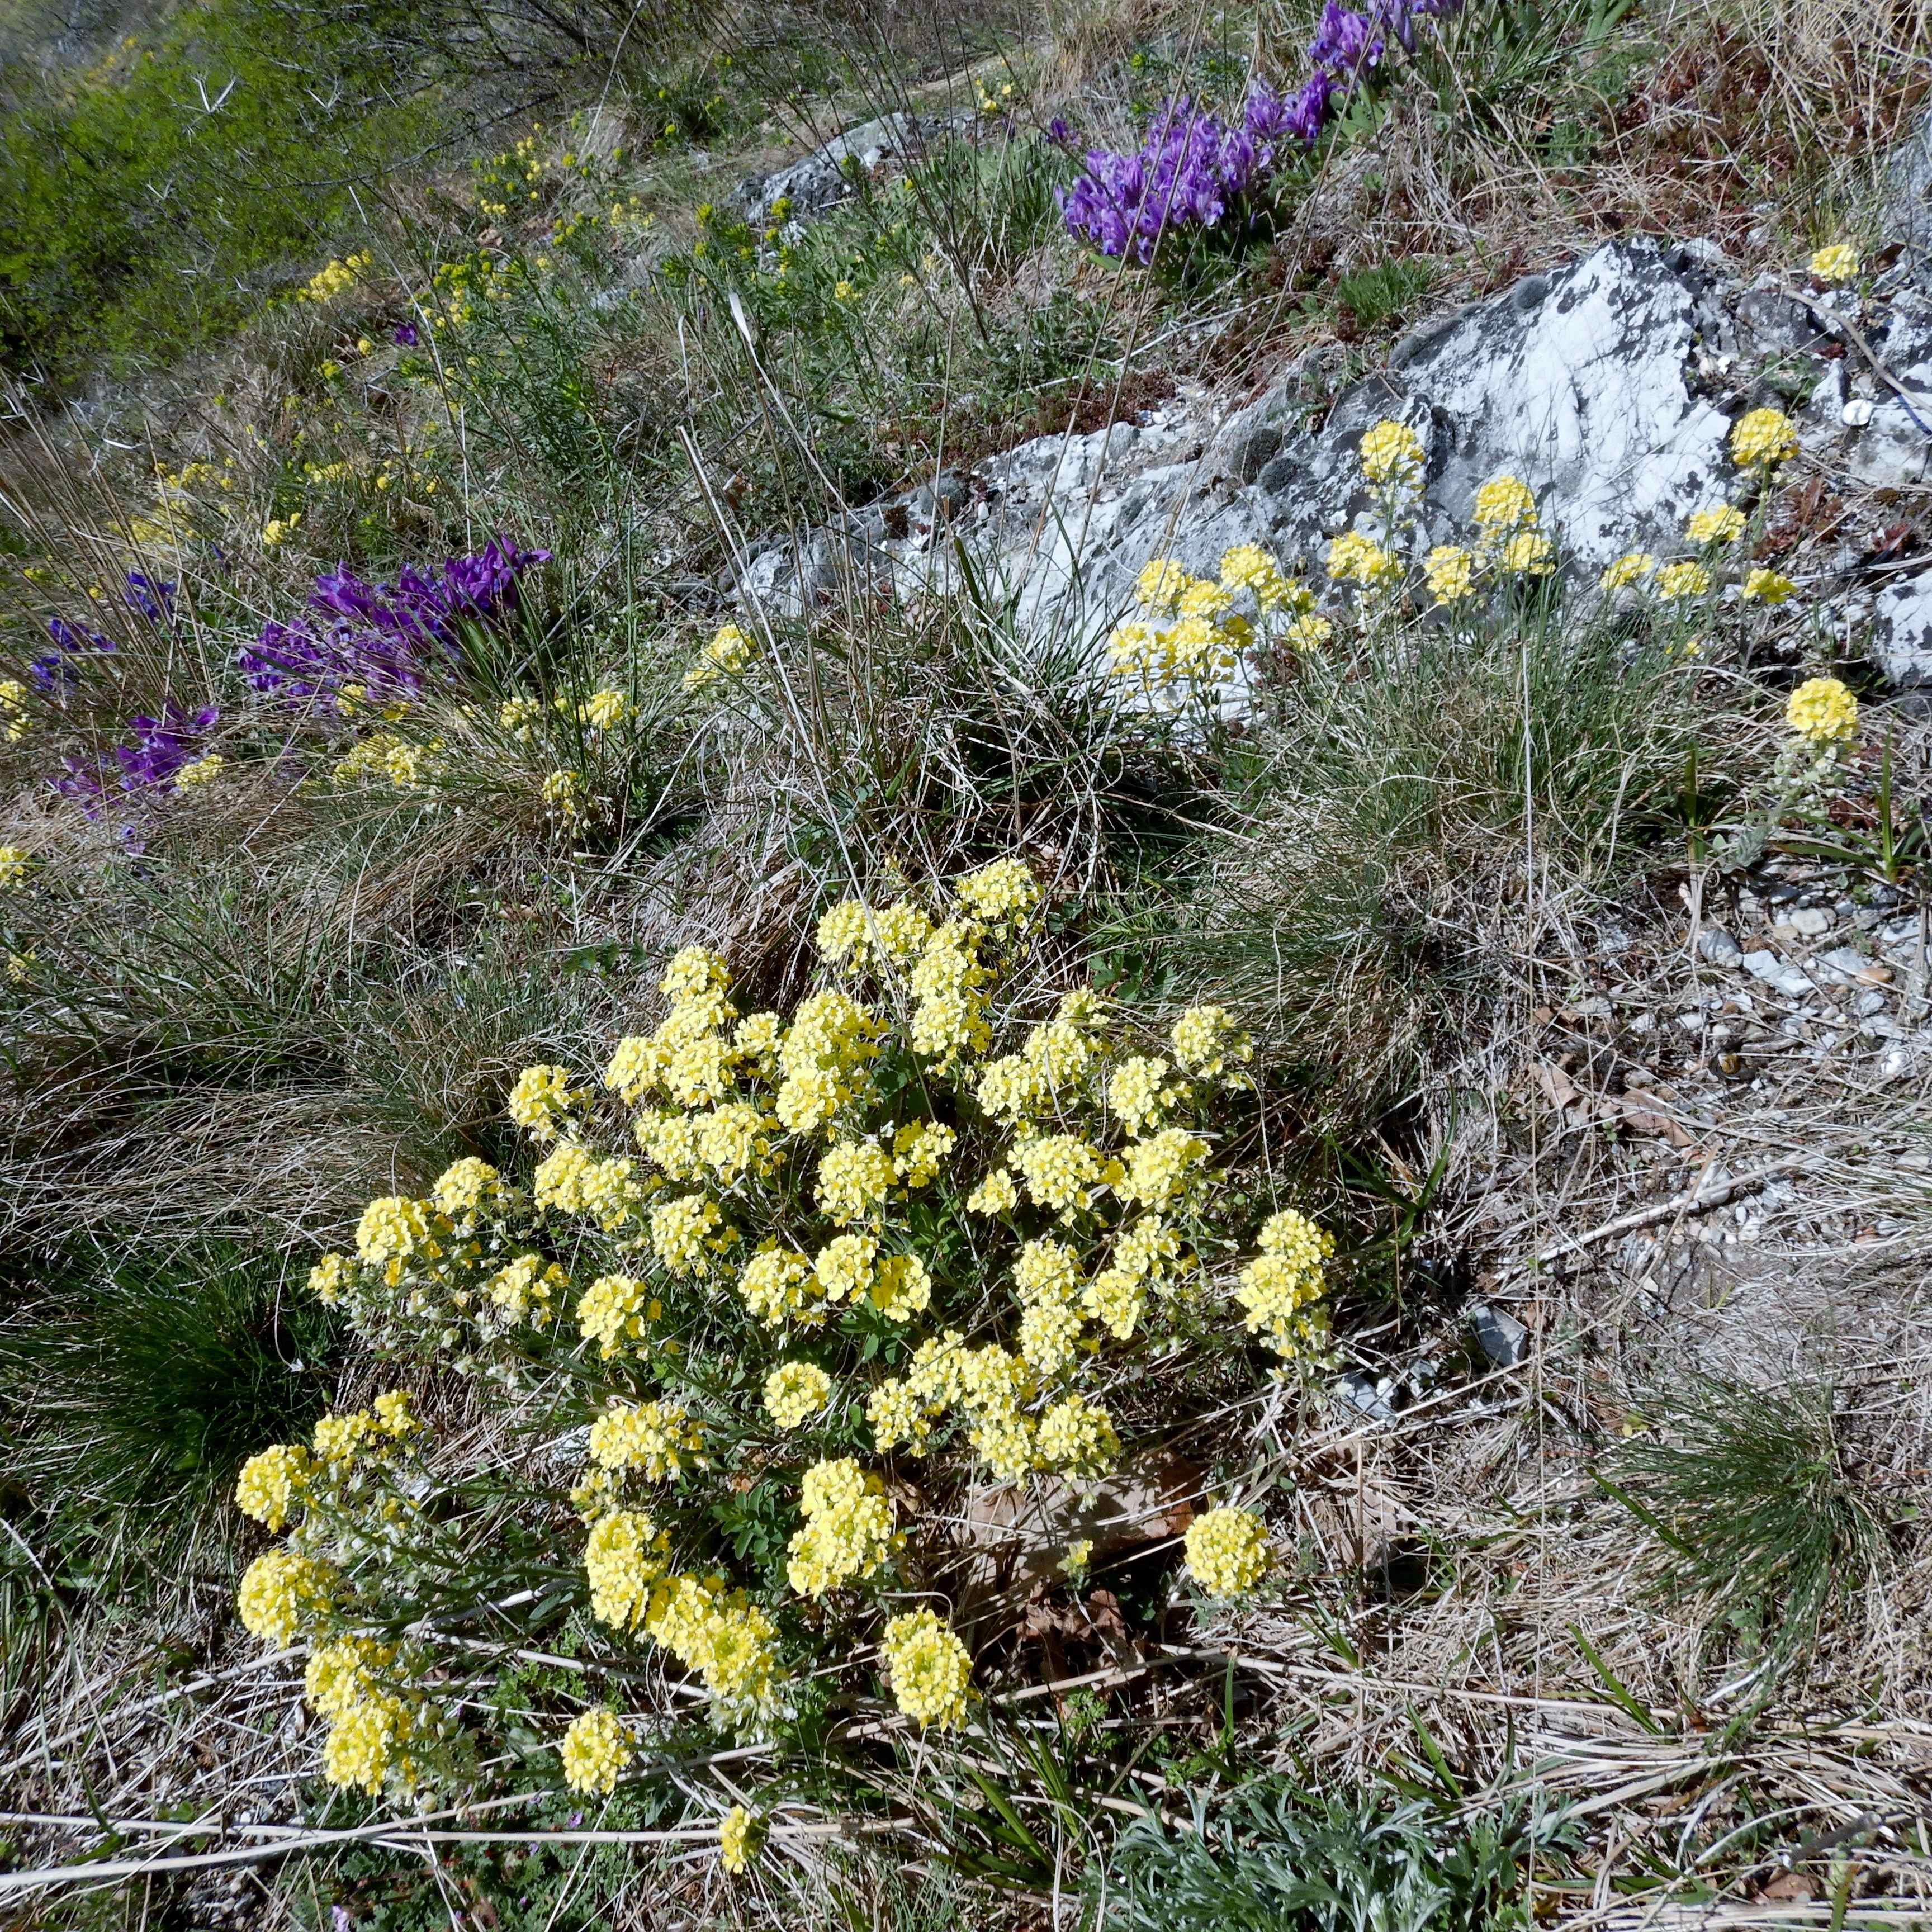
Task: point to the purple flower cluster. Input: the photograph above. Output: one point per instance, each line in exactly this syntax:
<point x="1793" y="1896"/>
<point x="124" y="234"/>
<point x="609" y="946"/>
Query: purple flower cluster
<point x="388" y="638"/>
<point x="1195" y="170"/>
<point x="162" y="745"/>
<point x="149" y="597"/>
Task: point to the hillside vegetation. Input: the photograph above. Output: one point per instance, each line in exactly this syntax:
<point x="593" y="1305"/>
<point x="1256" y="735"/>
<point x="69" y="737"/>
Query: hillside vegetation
<point x="717" y="1215"/>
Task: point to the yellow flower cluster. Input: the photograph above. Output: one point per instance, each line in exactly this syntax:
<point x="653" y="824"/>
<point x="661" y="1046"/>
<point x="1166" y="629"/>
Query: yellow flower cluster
<point x="1683" y="580"/>
<point x="827" y="1153"/>
<point x="616" y="1309"/>
<point x="931" y="1671"/>
<point x="1837" y="261"/>
<point x="795" y="1392"/>
<point x="274" y="1484"/>
<point x="1391" y="455"/>
<point x="1227" y="1551"/>
<point x="1625" y="572"/>
<point x="848" y="1528"/>
<point x="1715" y="523"/>
<point x="1761" y="439"/>
<point x="1189" y="628"/>
<point x="1764" y="585"/>
<point x="727" y="654"/>
<point x="541" y="1100"/>
<point x="1451" y="572"/>
<point x="1281" y="1288"/>
<point x="282" y="1590"/>
<point x="737" y="1839"/>
<point x="1823" y="712"/>
<point x="16" y="862"/>
<point x="1354" y="558"/>
<point x="626" y="1554"/>
<point x="596" y="1751"/>
<point x="657" y="1439"/>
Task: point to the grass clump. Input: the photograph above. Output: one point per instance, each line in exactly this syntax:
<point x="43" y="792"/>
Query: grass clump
<point x="132" y="1389"/>
<point x="1757" y="1504"/>
<point x="1276" y="1857"/>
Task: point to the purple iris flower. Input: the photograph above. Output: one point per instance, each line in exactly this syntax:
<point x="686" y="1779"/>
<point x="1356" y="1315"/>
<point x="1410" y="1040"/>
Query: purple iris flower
<point x="404" y="335"/>
<point x="388" y="637"/>
<point x="71" y="639"/>
<point x="151" y="596"/>
<point x="161" y="745"/>
<point x="1346" y="42"/>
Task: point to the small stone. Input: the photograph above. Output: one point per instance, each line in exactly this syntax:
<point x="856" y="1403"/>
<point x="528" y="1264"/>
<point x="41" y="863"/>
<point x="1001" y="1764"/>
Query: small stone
<point x="1717" y="945"/>
<point x="1857" y="413"/>
<point x="1869" y="1004"/>
<point x="1498" y="1333"/>
<point x="1811" y="922"/>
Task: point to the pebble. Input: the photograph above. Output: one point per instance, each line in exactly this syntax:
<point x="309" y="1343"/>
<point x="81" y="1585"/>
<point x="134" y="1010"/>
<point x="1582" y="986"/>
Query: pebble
<point x="1718" y="946"/>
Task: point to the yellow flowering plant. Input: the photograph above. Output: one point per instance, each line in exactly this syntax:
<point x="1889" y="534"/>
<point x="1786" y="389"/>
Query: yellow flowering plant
<point x="788" y="1272"/>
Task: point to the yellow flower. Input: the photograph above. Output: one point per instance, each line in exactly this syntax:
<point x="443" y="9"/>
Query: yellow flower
<point x="1309" y="632"/>
<point x="273" y="1485"/>
<point x="1716" y="523"/>
<point x="931" y="1669"/>
<point x="1632" y="568"/>
<point x="772" y="1285"/>
<point x="605" y="709"/>
<point x="1822" y="711"/>
<point x="615" y="1308"/>
<point x="1249" y="567"/>
<point x="686" y="1232"/>
<point x="1077" y="1437"/>
<point x="15" y="863"/>
<point x="901" y="1288"/>
<point x="1451" y="571"/>
<point x="596" y="1751"/>
<point x="1391" y="452"/>
<point x="395" y="1415"/>
<point x="1838" y="261"/>
<point x="1002" y="892"/>
<point x="341" y="1675"/>
<point x="737" y="1839"/>
<point x="1767" y="586"/>
<point x="848" y="1528"/>
<point x="623" y="1558"/>
<point x="1683" y="580"/>
<point x="202" y="771"/>
<point x="368" y="1744"/>
<point x="998" y="1194"/>
<point x="1355" y="558"/>
<point x="1763" y="437"/>
<point x="795" y="1392"/>
<point x="854" y="1178"/>
<point x="843" y="1270"/>
<point x="919" y="1149"/>
<point x="564" y="798"/>
<point x="659" y="1438"/>
<point x="540" y="1099"/>
<point x="1528" y="554"/>
<point x="1280" y="1289"/>
<point x="1161" y="584"/>
<point x="728" y="653"/>
<point x="1059" y="1170"/>
<point x="281" y="1591"/>
<point x="1503" y="504"/>
<point x="1205" y="1038"/>
<point x="278" y="530"/>
<point x="1227" y="1551"/>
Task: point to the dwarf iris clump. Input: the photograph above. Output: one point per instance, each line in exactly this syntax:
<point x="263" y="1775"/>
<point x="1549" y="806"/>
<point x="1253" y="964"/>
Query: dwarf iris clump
<point x="384" y="641"/>
<point x="1195" y="170"/>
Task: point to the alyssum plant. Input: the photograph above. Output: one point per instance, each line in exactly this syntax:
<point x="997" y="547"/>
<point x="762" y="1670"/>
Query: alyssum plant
<point x="852" y="1259"/>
